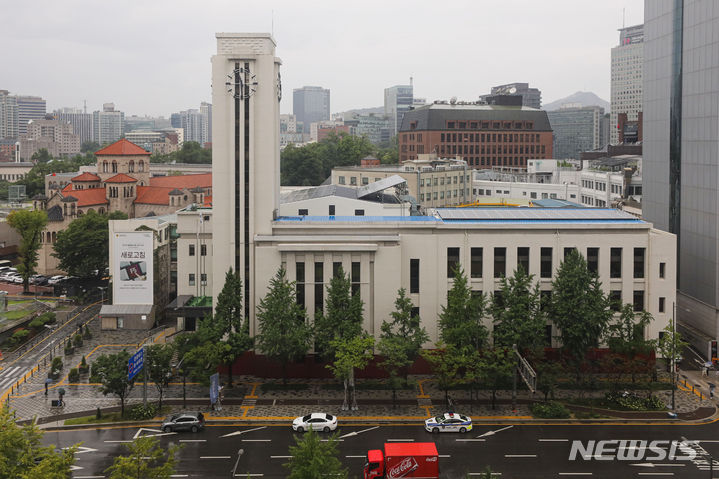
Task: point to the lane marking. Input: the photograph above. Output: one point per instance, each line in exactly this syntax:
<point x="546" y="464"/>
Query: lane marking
<point x="492" y="433"/>
<point x="554" y="440"/>
<point x="237" y="433"/>
<point x="470" y="440"/>
<point x="280" y="457"/>
<point x="520" y="455"/>
<point x="193" y="440"/>
<point x="483" y="473"/>
<point x="124" y="440"/>
<point x="356" y="457"/>
<point x="354" y="433"/>
<point x="655" y="474"/>
<point x="575" y="473"/>
<point x="249" y="475"/>
<point x="444" y="455"/>
<point x="400" y="440"/>
<point x="215" y="457"/>
<point x="256" y="440"/>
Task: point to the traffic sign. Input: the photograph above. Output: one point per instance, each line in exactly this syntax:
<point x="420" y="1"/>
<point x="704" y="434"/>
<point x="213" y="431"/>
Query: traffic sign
<point x="135" y="363"/>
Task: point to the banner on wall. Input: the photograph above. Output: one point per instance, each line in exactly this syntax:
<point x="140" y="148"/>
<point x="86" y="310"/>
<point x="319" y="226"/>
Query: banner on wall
<point x="132" y="268"/>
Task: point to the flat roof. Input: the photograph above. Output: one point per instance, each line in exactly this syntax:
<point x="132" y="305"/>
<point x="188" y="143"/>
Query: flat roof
<point x="113" y="309"/>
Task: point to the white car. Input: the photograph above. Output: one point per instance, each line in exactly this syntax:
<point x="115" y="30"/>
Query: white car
<point x="317" y="421"/>
<point x="55" y="279"/>
<point x="17" y="279"/>
<point x="449" y="422"/>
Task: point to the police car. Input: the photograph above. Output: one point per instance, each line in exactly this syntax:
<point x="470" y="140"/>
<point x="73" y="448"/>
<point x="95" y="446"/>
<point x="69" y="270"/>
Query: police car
<point x="449" y="422"/>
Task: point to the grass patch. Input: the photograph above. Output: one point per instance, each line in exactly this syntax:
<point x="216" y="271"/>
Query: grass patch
<point x="265" y="387"/>
<point x="108" y="417"/>
<point x="13" y="315"/>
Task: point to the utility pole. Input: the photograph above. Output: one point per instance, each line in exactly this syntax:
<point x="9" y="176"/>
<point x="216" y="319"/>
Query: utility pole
<point x="674" y="355"/>
<point x="144" y="377"/>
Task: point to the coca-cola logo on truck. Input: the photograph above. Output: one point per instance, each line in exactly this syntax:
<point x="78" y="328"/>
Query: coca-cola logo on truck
<point x="407" y="465"/>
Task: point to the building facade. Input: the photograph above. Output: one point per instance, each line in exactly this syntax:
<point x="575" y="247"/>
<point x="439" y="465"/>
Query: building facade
<point x="56" y="136"/>
<point x="8" y="116"/>
<point x="29" y="108"/>
<point x="310" y="104"/>
<point x="626" y="78"/>
<point x="531" y="97"/>
<point x="576" y="129"/>
<point x="398" y="100"/>
<point x="108" y="125"/>
<point x="681" y="145"/>
<point x="483" y="135"/>
<point x="82" y="122"/>
<point x="635" y="262"/>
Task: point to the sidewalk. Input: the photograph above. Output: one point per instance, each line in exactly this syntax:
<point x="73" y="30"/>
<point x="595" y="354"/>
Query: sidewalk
<point x="247" y="401"/>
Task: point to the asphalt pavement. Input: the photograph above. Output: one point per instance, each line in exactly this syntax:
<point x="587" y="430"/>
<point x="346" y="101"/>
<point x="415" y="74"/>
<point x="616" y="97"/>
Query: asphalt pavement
<point x="512" y="451"/>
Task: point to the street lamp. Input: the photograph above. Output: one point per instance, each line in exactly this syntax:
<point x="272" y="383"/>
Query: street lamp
<point x="674" y="351"/>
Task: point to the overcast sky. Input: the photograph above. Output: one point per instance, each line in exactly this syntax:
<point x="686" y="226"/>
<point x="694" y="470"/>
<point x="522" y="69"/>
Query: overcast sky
<point x="153" y="56"/>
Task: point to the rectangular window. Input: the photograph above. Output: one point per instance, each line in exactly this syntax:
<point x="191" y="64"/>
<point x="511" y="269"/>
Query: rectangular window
<point x="203" y="250"/>
<point x="661" y="304"/>
<point x="319" y="287"/>
<point x="355" y="277"/>
<point x="523" y="258"/>
<point x="359" y="212"/>
<point x="476" y="265"/>
<point x="662" y="269"/>
<point x="638" y="301"/>
<point x="639" y="262"/>
<point x="332" y="210"/>
<point x="414" y="275"/>
<point x="615" y="300"/>
<point x="336" y="269"/>
<point x="300" y="282"/>
<point x="593" y="260"/>
<point x="191" y="279"/>
<point x="452" y="261"/>
<point x="615" y="263"/>
<point x="548" y="335"/>
<point x="545" y="263"/>
<point x="203" y="279"/>
<point x="415" y="312"/>
<point x="500" y="262"/>
<point x="545" y="299"/>
<point x="567" y="251"/>
<point x="302" y="212"/>
<point x="192" y="250"/>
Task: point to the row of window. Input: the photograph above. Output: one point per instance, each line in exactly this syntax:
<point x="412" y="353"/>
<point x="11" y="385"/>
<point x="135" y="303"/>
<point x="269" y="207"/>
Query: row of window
<point x="127" y="191"/>
<point x="495" y="125"/>
<point x="545" y="262"/>
<point x="450" y="194"/>
<point x="489" y="137"/>
<point x="305" y="211"/>
<point x="203" y="249"/>
<point x="130" y="166"/>
<point x="203" y="279"/>
<point x="301" y="283"/>
<point x="450" y="180"/>
<point x="494" y="150"/>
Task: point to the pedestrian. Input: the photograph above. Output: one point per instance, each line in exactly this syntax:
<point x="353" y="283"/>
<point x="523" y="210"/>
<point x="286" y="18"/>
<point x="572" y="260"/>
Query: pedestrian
<point x="704" y="371"/>
<point x="46" y="389"/>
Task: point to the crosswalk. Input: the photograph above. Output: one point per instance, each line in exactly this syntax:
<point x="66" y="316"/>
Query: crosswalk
<point x="9" y="375"/>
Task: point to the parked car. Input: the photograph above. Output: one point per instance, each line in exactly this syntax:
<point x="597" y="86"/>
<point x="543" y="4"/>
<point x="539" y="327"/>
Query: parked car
<point x="17" y="279"/>
<point x="192" y="422"/>
<point x="38" y="279"/>
<point x="56" y="279"/>
<point x="317" y="421"/>
<point x="449" y="422"/>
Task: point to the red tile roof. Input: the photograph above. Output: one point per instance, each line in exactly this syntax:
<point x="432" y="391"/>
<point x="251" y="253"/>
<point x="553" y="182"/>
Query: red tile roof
<point x="121" y="178"/>
<point x="203" y="180"/>
<point x="86" y="177"/>
<point x="90" y="197"/>
<point x="67" y="187"/>
<point x="208" y="201"/>
<point x="122" y="147"/>
<point x="153" y="195"/>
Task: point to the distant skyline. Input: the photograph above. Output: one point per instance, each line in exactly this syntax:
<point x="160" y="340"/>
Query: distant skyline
<point x="154" y="57"/>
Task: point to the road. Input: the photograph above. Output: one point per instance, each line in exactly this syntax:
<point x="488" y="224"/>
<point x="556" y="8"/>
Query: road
<point x="520" y="452"/>
<point x="21" y="362"/>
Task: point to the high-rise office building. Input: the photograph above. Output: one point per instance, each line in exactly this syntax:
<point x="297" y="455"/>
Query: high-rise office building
<point x="206" y="112"/>
<point x="310" y="104"/>
<point x="398" y="100"/>
<point x="56" y="136"/>
<point x="82" y="124"/>
<point x="531" y="97"/>
<point x="108" y="124"/>
<point x="576" y="129"/>
<point x="29" y="108"/>
<point x="8" y="115"/>
<point x="626" y="77"/>
<point x="193" y="123"/>
<point x="681" y="151"/>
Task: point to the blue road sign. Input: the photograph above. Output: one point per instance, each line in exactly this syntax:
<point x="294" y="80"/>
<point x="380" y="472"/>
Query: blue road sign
<point x="135" y="363"/>
<point x="214" y="388"/>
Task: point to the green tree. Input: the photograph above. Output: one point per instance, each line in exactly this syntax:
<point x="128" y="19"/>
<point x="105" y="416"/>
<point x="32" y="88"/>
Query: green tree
<point x="34" y="181"/>
<point x="515" y="309"/>
<point x="29" y="225"/>
<point x="670" y="344"/>
<point x="284" y="333"/>
<point x="191" y="152"/>
<point x="496" y="366"/>
<point x="110" y="370"/>
<point x="158" y="361"/>
<point x="342" y="317"/>
<point x="83" y="246"/>
<point x="626" y="336"/>
<point x="460" y="322"/>
<point x="145" y="459"/>
<point x="41" y="156"/>
<point x="89" y="147"/>
<point x="548" y="377"/>
<point x="447" y="363"/>
<point x="350" y="354"/>
<point x="400" y="340"/>
<point x="232" y="327"/>
<point x="579" y="308"/>
<point x="23" y="456"/>
<point x="311" y="458"/>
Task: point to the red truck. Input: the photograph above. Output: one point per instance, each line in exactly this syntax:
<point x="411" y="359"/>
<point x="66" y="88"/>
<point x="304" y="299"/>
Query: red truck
<point x="408" y="459"/>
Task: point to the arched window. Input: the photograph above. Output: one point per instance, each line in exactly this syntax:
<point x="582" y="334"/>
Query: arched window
<point x="172" y="201"/>
<point x="72" y="208"/>
<point x="65" y="209"/>
<point x="114" y="166"/>
<point x="79" y="212"/>
<point x="101" y="211"/>
<point x="131" y="167"/>
<point x="104" y="166"/>
<point x="141" y="166"/>
<point x="54" y="236"/>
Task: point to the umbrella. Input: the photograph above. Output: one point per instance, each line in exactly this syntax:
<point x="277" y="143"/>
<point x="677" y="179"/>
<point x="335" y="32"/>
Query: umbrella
<point x="708" y="364"/>
<point x="61" y="392"/>
<point x="48" y="381"/>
